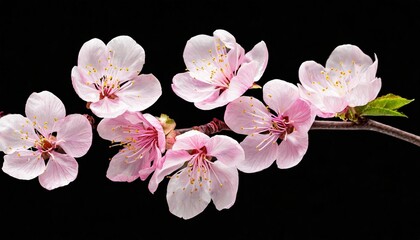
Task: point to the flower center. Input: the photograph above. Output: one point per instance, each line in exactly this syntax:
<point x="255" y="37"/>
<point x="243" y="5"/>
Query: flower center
<point x="281" y="126"/>
<point x="46" y="146"/>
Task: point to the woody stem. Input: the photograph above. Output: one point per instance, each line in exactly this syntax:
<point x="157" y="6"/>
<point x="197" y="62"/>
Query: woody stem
<point x="217" y="125"/>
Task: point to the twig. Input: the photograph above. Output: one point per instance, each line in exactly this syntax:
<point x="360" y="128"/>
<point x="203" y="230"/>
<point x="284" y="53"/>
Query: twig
<point x="369" y="125"/>
<point x="217" y="125"/>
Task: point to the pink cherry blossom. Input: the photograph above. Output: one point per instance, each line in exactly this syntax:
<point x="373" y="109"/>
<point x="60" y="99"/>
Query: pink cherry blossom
<point x="287" y="119"/>
<point x="143" y="141"/>
<point x="205" y="170"/>
<point x="108" y="77"/>
<point x="348" y="80"/>
<point x="45" y="143"/>
<point x="218" y="70"/>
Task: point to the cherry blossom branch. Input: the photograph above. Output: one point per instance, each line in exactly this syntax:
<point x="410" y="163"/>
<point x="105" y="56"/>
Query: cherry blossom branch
<point x="210" y="128"/>
<point x="369" y="125"/>
<point x="217" y="125"/>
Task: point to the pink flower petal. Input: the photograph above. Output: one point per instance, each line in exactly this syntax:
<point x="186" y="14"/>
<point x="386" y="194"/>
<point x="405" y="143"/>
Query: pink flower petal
<point x="279" y="95"/>
<point x="108" y="108"/>
<point x="333" y="104"/>
<point x="346" y="55"/>
<point x="126" y="53"/>
<point x="23" y="164"/>
<point x="112" y="129"/>
<point x="192" y="139"/>
<point x="235" y="53"/>
<point x="144" y="92"/>
<point x="45" y="109"/>
<point x="364" y="93"/>
<point x="17" y="133"/>
<point x="224" y="185"/>
<point x="190" y="89"/>
<point x="75" y="132"/>
<point x="83" y="85"/>
<point x="93" y="53"/>
<point x="154" y="122"/>
<point x="115" y="129"/>
<point x="173" y="161"/>
<point x="259" y="55"/>
<point x="238" y="85"/>
<point x="123" y="167"/>
<point x="292" y="150"/>
<point x="225" y="37"/>
<point x="212" y="101"/>
<point x="246" y="115"/>
<point x="197" y="58"/>
<point x="310" y="74"/>
<point x="60" y="171"/>
<point x="257" y="160"/>
<point x="183" y="200"/>
<point x="300" y="113"/>
<point x="225" y="149"/>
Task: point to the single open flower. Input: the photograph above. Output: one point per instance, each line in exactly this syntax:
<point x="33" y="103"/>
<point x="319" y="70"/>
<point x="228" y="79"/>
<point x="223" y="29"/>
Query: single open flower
<point x="218" y="70"/>
<point x="278" y="132"/>
<point x="143" y="140"/>
<point x="347" y="80"/>
<point x="108" y="77"/>
<point x="45" y="143"/>
<point x="205" y="170"/>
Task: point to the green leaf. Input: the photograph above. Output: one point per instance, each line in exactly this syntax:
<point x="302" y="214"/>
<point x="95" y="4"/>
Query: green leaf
<point x="386" y="105"/>
<point x="374" y="111"/>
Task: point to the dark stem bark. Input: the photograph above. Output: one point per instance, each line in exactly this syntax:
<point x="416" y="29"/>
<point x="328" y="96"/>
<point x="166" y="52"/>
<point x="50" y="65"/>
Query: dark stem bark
<point x="217" y="125"/>
<point x="369" y="125"/>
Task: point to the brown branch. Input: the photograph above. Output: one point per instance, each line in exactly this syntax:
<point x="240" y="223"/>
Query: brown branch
<point x="369" y="125"/>
<point x="217" y="125"/>
<point x="210" y="128"/>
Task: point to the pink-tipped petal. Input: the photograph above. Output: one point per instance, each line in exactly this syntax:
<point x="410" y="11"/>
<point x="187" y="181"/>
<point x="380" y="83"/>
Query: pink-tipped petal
<point x="183" y="200"/>
<point x="190" y="89"/>
<point x="17" y="133"/>
<point x="75" y="132"/>
<point x="112" y="128"/>
<point x="161" y="138"/>
<point x="301" y="115"/>
<point x="144" y="92"/>
<point x="24" y="164"/>
<point x="364" y="93"/>
<point x="198" y="53"/>
<point x="108" y="108"/>
<point x="225" y="149"/>
<point x="257" y="159"/>
<point x="83" y="85"/>
<point x="192" y="139"/>
<point x="172" y="161"/>
<point x="333" y="104"/>
<point x="45" y="109"/>
<point x="347" y="54"/>
<point x="93" y="53"/>
<point x="61" y="170"/>
<point x="246" y="115"/>
<point x="126" y="53"/>
<point x="292" y="150"/>
<point x="279" y="95"/>
<point x="224" y="185"/>
<point x="225" y="37"/>
<point x="123" y="167"/>
<point x="310" y="73"/>
<point x="259" y="55"/>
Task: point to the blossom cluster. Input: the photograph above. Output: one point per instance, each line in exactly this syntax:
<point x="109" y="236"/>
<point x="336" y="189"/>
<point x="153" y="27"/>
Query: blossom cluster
<point x="202" y="167"/>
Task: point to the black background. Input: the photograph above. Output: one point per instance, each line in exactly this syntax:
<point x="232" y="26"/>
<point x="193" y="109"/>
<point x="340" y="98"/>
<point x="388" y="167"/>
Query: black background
<point x="349" y="185"/>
